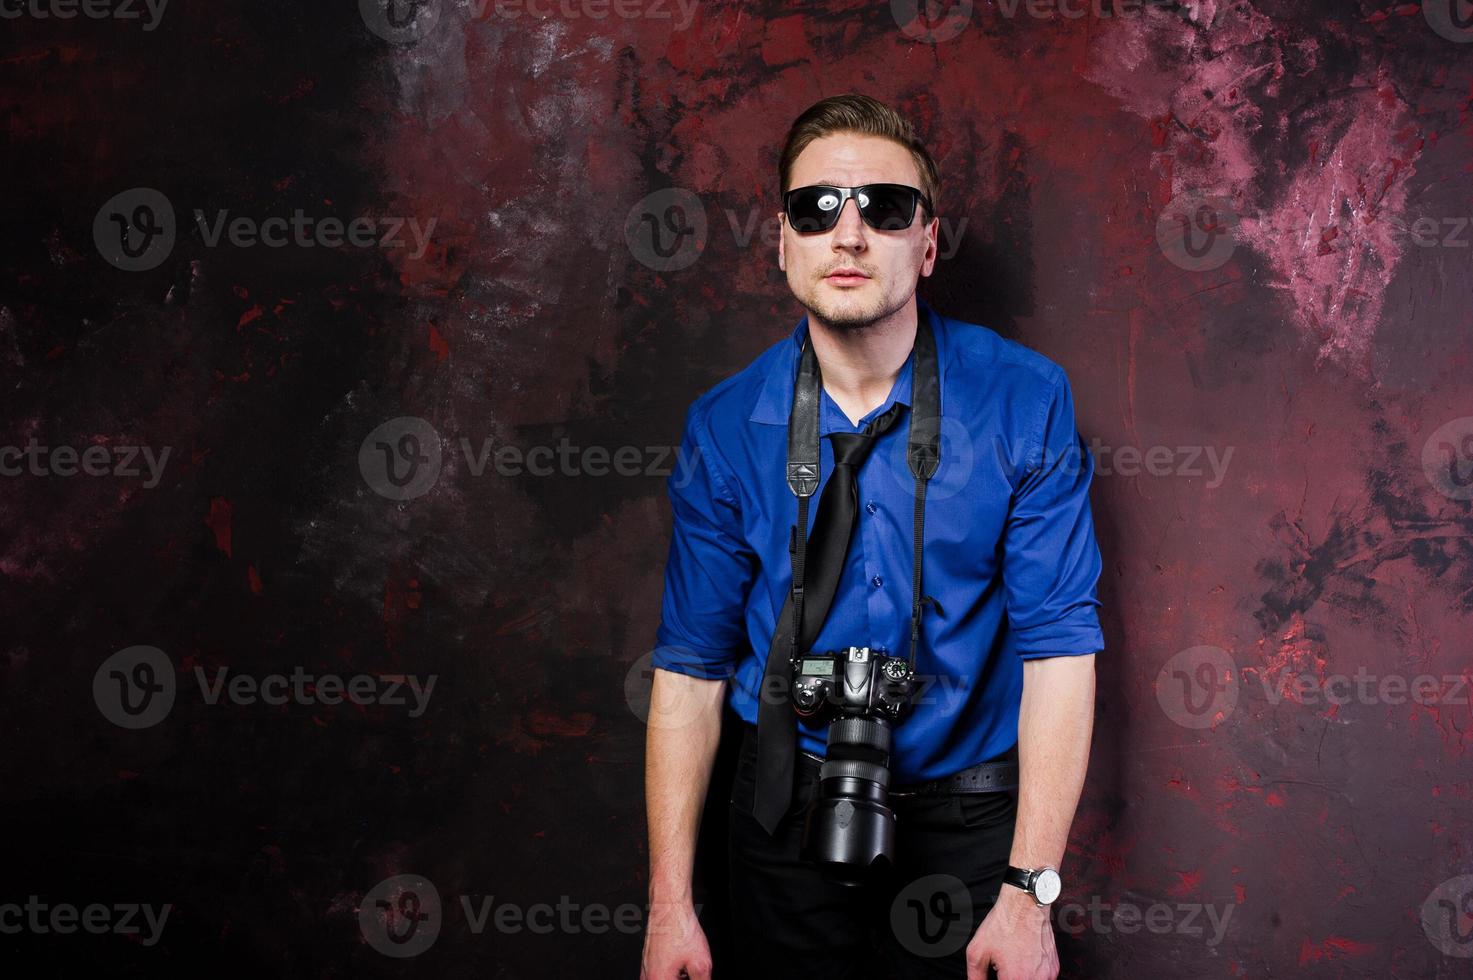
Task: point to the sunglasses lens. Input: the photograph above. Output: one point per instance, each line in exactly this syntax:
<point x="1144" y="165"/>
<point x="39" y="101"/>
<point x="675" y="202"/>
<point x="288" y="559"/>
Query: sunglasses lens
<point x="887" y="207"/>
<point x="813" y="209"/>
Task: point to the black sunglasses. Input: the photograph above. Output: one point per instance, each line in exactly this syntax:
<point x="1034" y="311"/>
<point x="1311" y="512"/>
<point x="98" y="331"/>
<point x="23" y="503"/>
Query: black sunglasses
<point x="884" y="207"/>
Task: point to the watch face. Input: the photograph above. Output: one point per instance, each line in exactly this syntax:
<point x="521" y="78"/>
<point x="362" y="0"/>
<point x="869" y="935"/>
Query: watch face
<point x="1047" y="885"/>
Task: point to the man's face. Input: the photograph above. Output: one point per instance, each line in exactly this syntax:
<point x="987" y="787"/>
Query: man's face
<point x="888" y="263"/>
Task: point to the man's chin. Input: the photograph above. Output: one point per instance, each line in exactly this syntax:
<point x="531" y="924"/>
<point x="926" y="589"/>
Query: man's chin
<point x="845" y="312"/>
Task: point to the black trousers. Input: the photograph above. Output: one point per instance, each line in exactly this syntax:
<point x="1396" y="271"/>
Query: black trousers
<point x="788" y="921"/>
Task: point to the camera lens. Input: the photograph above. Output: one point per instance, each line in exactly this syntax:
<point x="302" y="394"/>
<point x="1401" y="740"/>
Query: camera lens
<point x="850" y="829"/>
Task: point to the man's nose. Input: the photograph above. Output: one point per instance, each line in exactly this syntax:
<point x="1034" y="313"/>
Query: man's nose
<point x="850" y="228"/>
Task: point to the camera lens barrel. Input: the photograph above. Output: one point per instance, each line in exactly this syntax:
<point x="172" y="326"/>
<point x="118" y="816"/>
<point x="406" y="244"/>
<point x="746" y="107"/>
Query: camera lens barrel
<point x="850" y="829"/>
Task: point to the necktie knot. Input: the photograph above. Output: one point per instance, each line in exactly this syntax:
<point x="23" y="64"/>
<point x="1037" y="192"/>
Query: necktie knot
<point x="852" y="448"/>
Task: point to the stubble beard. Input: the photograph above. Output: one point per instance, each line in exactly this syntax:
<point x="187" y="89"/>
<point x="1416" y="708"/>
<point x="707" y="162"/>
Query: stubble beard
<point x="848" y="316"/>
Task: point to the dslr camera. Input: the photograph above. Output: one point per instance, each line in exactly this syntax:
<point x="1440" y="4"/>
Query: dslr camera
<point x="849" y="831"/>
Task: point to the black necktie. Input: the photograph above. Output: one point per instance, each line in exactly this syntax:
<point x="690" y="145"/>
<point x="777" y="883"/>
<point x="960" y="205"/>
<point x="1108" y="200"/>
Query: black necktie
<point x="828" y="547"/>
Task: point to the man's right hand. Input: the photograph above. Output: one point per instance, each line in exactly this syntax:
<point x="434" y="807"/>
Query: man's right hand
<point x="674" y="944"/>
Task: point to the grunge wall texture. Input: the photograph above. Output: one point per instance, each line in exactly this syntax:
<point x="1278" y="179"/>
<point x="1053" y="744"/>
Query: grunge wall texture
<point x="1243" y="229"/>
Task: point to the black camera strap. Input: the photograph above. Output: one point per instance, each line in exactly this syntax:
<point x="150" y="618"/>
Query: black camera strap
<point x="777" y="723"/>
<point x="922" y="454"/>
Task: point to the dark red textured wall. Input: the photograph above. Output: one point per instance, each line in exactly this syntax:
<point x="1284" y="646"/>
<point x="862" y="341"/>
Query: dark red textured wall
<point x="1244" y="230"/>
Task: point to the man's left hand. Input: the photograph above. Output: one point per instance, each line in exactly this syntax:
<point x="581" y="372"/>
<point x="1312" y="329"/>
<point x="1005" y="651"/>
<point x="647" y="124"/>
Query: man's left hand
<point x="1016" y="939"/>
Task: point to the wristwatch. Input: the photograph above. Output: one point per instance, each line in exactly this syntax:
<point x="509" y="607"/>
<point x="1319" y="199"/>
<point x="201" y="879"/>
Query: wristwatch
<point x="1043" y="884"/>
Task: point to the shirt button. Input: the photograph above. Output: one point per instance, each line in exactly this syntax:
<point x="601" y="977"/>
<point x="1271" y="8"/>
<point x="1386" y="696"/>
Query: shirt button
<point x="877" y="581"/>
<point x="871" y="507"/>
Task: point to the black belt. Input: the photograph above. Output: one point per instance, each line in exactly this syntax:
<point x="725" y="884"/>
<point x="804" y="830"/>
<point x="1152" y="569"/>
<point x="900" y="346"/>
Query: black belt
<point x="997" y="776"/>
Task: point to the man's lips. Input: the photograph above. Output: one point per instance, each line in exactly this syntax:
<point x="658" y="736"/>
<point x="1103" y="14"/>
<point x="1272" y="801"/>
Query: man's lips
<point x="846" y="276"/>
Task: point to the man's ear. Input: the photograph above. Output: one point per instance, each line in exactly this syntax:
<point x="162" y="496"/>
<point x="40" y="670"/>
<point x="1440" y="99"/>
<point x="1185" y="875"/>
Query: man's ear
<point x="782" y="223"/>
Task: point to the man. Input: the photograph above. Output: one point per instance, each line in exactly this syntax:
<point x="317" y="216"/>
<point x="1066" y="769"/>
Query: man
<point x="1010" y="561"/>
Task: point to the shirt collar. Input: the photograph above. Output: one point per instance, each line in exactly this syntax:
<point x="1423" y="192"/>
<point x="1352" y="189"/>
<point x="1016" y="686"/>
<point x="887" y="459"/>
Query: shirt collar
<point x="775" y="400"/>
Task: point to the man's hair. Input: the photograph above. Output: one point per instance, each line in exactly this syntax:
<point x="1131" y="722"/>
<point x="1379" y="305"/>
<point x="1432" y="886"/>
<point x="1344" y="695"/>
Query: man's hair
<point x="855" y="113"/>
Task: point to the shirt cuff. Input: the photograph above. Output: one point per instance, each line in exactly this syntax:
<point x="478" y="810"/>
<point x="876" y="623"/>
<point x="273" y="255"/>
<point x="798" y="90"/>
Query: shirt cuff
<point x="704" y="662"/>
<point x="1065" y="638"/>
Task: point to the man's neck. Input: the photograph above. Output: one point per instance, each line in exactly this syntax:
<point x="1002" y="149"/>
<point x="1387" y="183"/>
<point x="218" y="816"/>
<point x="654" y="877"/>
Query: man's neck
<point x="859" y="367"/>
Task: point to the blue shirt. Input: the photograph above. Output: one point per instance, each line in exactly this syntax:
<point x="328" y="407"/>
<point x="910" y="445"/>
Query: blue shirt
<point x="1010" y="551"/>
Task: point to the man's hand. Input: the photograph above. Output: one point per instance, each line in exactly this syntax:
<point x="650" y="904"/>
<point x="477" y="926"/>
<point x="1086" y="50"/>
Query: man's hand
<point x="674" y="944"/>
<point x="1016" y="939"/>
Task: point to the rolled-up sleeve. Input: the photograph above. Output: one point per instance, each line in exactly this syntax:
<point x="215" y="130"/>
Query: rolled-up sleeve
<point x="710" y="568"/>
<point x="1051" y="561"/>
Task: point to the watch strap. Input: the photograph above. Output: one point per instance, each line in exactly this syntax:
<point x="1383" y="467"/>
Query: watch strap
<point x="1020" y="878"/>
